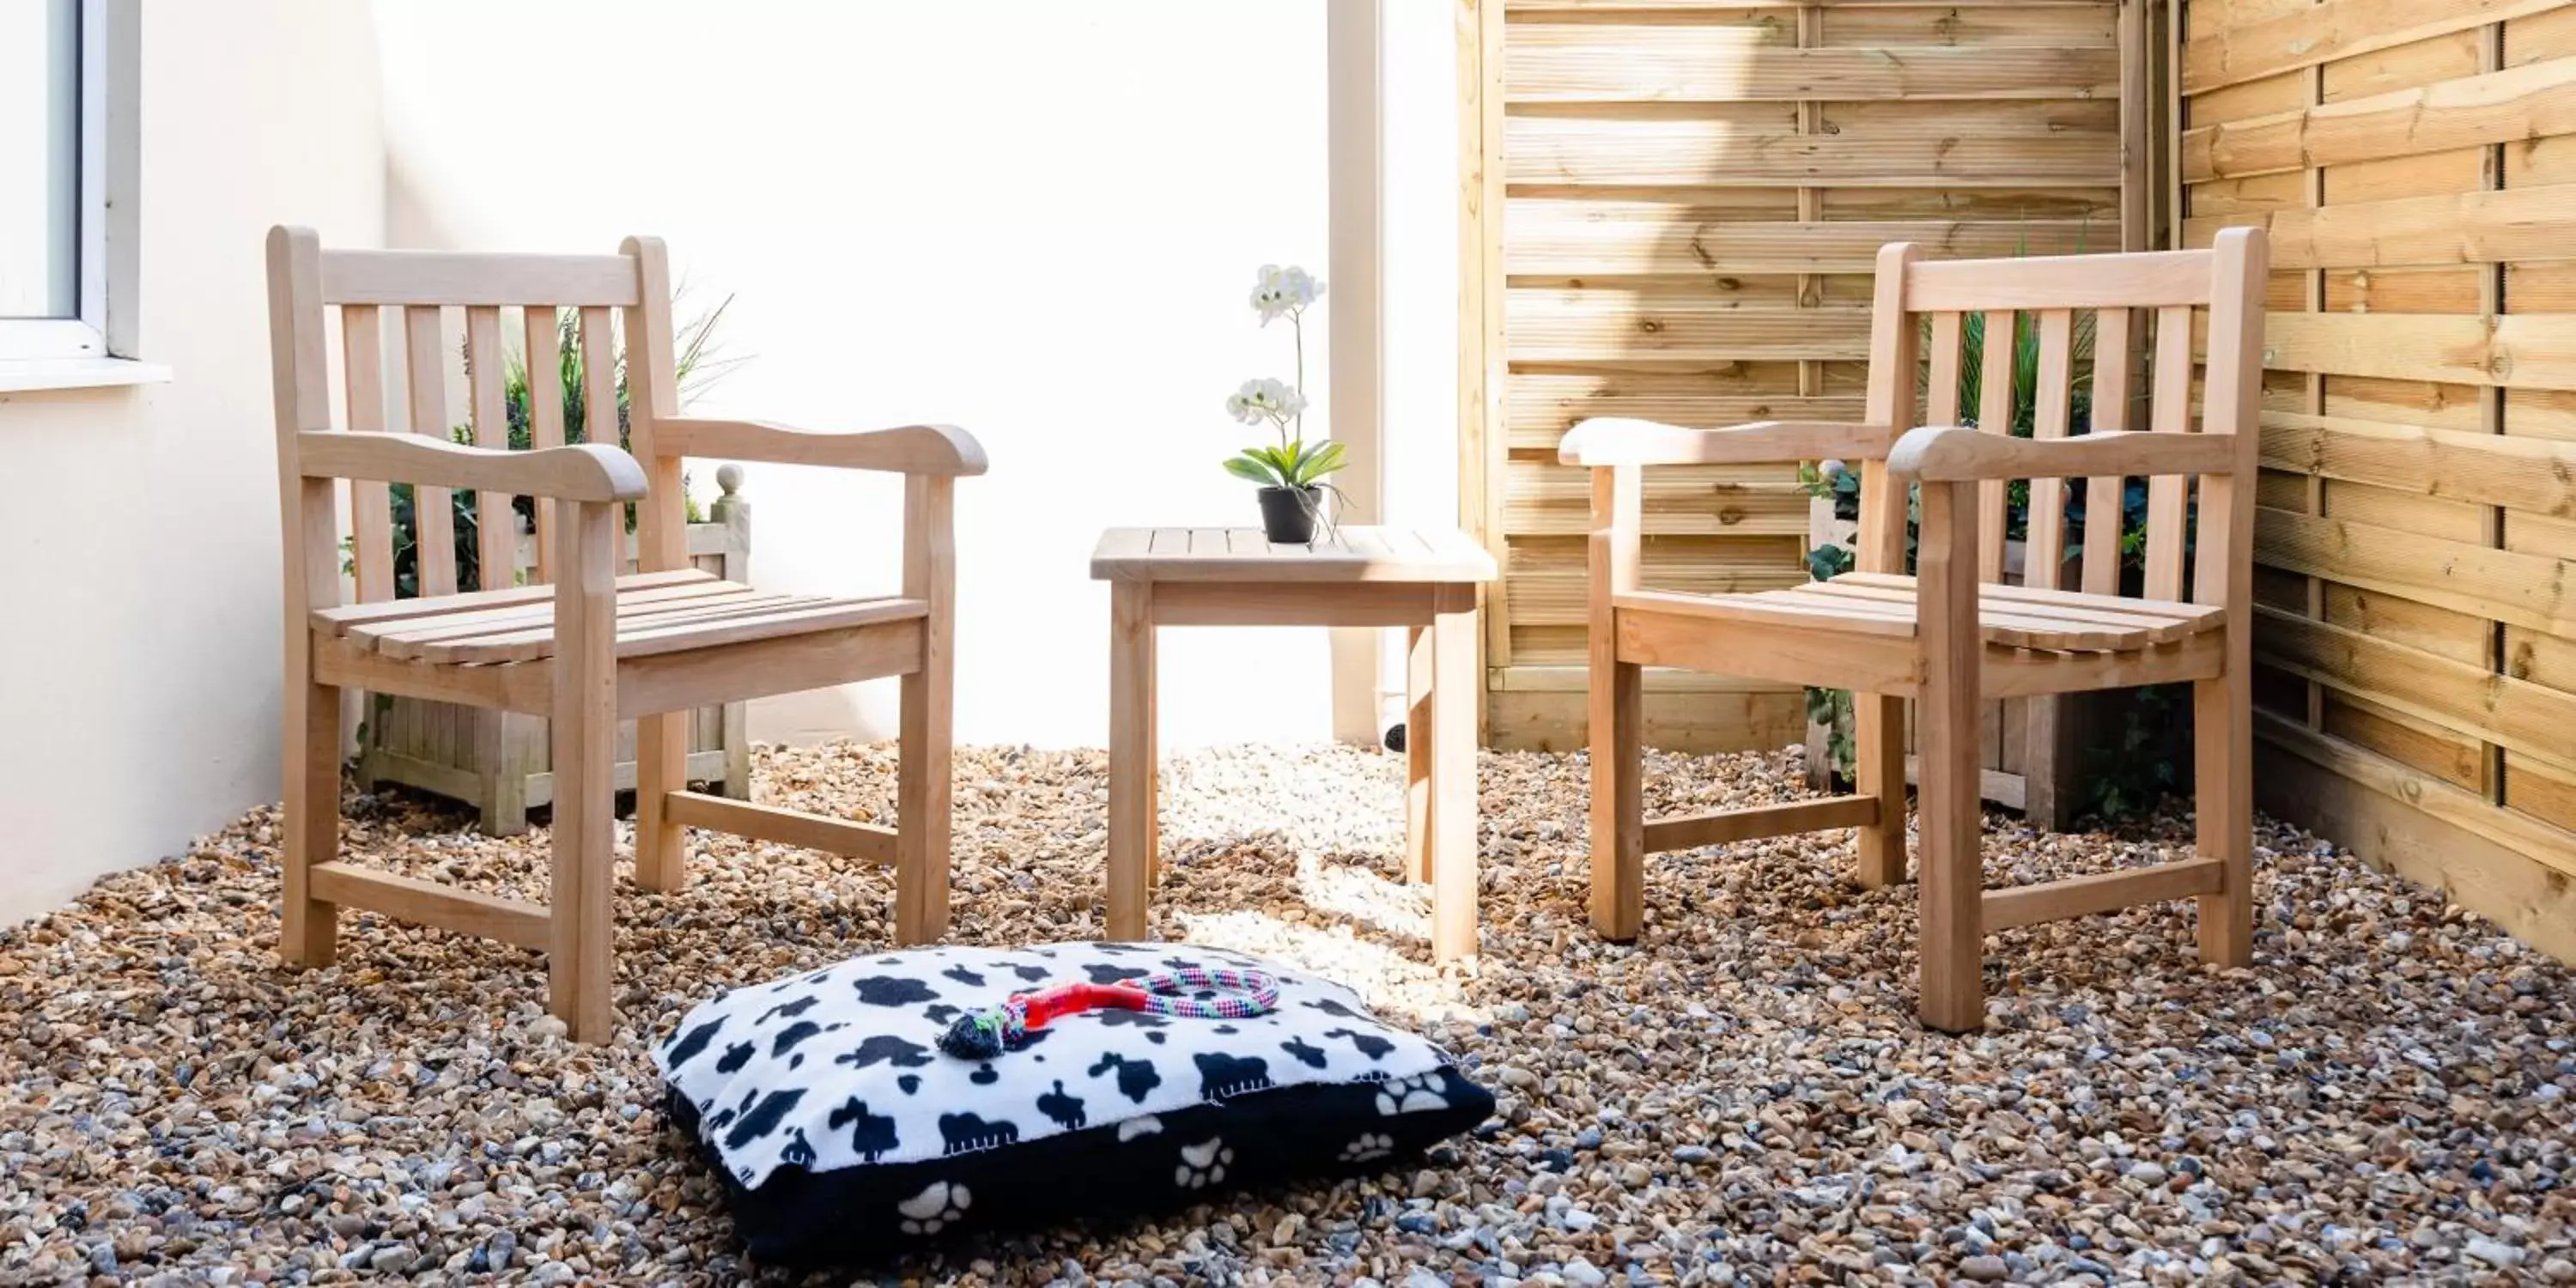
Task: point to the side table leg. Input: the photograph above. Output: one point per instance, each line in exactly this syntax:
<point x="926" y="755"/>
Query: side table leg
<point x="1147" y="644"/>
<point x="1453" y="774"/>
<point x="1418" y="733"/>
<point x="1132" y="767"/>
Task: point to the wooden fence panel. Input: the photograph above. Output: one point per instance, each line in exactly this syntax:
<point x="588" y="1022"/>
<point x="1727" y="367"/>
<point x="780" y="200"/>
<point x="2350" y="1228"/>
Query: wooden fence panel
<point x="2415" y="162"/>
<point x="1691" y="196"/>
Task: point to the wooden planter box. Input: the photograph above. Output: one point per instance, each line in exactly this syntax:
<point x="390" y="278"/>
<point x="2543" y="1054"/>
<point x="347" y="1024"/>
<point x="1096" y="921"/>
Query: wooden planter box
<point x="2031" y="750"/>
<point x="499" y="762"/>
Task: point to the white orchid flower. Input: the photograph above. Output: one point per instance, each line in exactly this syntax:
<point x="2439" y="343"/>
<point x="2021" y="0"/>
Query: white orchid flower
<point x="1282" y="292"/>
<point x="1265" y="399"/>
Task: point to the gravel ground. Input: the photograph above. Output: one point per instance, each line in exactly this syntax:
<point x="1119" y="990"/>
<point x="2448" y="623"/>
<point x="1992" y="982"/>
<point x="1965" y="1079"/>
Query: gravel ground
<point x="1741" y="1096"/>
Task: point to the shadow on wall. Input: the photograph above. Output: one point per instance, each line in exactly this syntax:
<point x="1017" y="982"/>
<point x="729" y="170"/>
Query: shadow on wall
<point x="411" y="219"/>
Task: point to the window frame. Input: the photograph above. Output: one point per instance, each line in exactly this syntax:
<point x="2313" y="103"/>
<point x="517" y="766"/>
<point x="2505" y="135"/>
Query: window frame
<point x="105" y="250"/>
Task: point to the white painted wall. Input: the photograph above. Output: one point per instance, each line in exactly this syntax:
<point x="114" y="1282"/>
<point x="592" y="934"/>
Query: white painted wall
<point x="1421" y="278"/>
<point x="138" y="670"/>
<point x="1035" y="219"/>
<point x="1422" y="263"/>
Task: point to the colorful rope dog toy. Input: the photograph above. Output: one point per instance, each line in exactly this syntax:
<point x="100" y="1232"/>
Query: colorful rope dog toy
<point x="985" y="1034"/>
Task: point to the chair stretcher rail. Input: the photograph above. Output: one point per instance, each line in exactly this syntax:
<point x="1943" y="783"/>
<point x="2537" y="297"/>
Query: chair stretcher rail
<point x="785" y="826"/>
<point x="1758" y="821"/>
<point x="2100" y="892"/>
<point x="465" y="912"/>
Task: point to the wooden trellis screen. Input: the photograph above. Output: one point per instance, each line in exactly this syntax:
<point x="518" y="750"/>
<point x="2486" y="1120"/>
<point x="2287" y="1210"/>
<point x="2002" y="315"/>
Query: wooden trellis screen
<point x="2415" y="161"/>
<point x="1672" y="210"/>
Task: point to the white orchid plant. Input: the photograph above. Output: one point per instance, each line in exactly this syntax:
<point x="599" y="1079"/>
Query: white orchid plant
<point x="1291" y="462"/>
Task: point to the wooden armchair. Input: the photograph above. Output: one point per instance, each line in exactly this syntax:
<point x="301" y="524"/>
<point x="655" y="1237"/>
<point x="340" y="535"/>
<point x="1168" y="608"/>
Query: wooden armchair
<point x="1951" y="633"/>
<point x="594" y="647"/>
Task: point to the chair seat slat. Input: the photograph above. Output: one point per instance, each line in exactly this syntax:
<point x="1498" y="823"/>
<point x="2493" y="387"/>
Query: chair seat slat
<point x="538" y="641"/>
<point x="1886" y="604"/>
<point x="440" y="626"/>
<point x="348" y="618"/>
<point x="653" y="614"/>
<point x="2158" y="629"/>
<point x="2163" y="610"/>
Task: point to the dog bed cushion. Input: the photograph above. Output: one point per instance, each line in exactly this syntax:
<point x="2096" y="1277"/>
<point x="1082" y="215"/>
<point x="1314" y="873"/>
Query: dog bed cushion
<point x="844" y="1132"/>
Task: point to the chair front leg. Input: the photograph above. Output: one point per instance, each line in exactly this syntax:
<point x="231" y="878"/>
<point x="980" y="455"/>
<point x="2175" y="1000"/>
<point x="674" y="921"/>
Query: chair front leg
<point x="922" y="800"/>
<point x="308" y="933"/>
<point x="1953" y="886"/>
<point x="2222" y="719"/>
<point x="309" y="750"/>
<point x="585" y="766"/>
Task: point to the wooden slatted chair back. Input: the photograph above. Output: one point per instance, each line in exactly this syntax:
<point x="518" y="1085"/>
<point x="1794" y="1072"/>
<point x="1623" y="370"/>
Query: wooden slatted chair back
<point x="411" y="297"/>
<point x="1920" y="335"/>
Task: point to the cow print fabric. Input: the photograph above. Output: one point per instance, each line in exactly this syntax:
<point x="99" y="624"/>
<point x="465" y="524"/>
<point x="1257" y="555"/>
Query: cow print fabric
<point x="843" y="1132"/>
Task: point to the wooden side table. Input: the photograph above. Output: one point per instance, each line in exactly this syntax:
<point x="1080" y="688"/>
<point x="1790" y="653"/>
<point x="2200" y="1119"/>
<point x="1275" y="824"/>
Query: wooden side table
<point x="1424" y="579"/>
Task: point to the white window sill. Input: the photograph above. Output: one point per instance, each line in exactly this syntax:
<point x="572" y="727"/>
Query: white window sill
<point x="31" y="374"/>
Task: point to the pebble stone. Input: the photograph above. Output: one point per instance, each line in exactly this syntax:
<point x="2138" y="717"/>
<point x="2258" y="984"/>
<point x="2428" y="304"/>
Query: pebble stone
<point x="1740" y="1096"/>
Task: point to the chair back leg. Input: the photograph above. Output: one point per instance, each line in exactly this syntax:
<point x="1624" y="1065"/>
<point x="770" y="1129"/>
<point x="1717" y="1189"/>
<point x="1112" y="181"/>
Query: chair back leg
<point x="661" y="767"/>
<point x="585" y="764"/>
<point x="1878" y="772"/>
<point x="309" y="927"/>
<point x="1618" y="718"/>
<point x="1616" y="705"/>
<point x="504" y="751"/>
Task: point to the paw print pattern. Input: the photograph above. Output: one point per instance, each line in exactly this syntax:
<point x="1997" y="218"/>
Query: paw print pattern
<point x="938" y="1206"/>
<point x="1202" y="1164"/>
<point x="1410" y="1095"/>
<point x="1369" y="1145"/>
<point x="1134" y="1127"/>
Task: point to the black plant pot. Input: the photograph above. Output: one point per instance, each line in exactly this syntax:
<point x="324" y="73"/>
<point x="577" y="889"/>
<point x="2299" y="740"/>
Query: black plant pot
<point x="1288" y="513"/>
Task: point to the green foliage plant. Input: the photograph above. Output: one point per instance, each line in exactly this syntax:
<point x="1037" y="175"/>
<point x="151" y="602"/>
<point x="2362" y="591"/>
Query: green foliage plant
<point x="698" y="364"/>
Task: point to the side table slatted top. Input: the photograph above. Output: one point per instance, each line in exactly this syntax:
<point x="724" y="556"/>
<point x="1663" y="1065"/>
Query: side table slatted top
<point x="1351" y="553"/>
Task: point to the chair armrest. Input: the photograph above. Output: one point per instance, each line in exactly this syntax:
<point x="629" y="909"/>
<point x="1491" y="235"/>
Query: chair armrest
<point x="1602" y="441"/>
<point x="1950" y="453"/>
<point x="581" y="472"/>
<point x="910" y="449"/>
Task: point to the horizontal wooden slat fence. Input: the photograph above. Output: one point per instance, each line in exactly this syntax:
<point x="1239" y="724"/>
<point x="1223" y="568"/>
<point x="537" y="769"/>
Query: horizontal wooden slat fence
<point x="2415" y="161"/>
<point x="1671" y="211"/>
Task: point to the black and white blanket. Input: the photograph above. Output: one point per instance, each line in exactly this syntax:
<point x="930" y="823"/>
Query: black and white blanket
<point x="842" y="1069"/>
